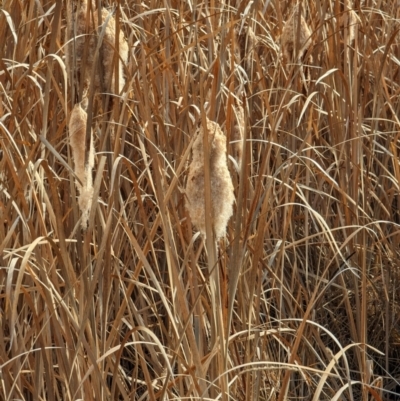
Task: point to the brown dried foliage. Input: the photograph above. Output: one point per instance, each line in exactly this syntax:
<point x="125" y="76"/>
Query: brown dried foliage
<point x="125" y="311"/>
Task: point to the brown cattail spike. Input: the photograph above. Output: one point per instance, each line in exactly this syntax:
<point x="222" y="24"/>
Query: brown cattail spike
<point x="85" y="39"/>
<point x="83" y="171"/>
<point x="108" y="55"/>
<point x="222" y="195"/>
<point x="290" y="38"/>
<point x="348" y="19"/>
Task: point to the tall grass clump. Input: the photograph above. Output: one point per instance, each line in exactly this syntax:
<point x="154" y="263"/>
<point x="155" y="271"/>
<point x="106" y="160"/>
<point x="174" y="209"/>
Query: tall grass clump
<point x="299" y="300"/>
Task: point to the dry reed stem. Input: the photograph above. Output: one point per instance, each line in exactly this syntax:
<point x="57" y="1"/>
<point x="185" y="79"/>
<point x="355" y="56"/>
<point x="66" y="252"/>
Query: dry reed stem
<point x="251" y="43"/>
<point x="289" y="38"/>
<point x="222" y="195"/>
<point x="237" y="135"/>
<point x="107" y="49"/>
<point x="77" y="132"/>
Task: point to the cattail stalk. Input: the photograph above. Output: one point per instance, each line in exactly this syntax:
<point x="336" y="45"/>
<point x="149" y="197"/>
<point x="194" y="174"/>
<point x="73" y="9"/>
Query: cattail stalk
<point x="237" y="135"/>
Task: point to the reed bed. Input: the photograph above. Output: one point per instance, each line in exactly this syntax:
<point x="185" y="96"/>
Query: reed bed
<point x="299" y="301"/>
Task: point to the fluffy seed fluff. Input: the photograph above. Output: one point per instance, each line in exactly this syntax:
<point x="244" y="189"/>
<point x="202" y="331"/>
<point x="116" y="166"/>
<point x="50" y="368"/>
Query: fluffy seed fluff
<point x="77" y="47"/>
<point x="289" y="38"/>
<point x="237" y="135"/>
<point x="222" y="196"/>
<point x="77" y="135"/>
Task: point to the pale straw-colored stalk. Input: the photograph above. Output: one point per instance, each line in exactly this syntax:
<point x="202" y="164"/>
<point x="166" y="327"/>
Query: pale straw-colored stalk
<point x="237" y="135"/>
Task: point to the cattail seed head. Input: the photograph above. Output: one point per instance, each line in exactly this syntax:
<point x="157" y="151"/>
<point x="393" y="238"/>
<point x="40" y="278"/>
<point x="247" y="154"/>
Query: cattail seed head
<point x="348" y="19"/>
<point x="222" y="195"/>
<point x="77" y="137"/>
<point x="86" y="39"/>
<point x="83" y="171"/>
<point x="290" y="38"/>
<point x="108" y="55"/>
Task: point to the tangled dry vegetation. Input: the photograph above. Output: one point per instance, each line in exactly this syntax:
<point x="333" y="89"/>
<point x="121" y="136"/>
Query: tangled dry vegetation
<point x="120" y="298"/>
